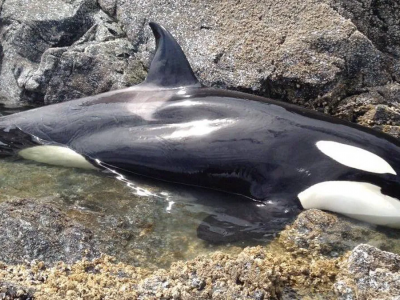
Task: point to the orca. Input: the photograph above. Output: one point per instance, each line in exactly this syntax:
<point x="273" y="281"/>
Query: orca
<point x="171" y="128"/>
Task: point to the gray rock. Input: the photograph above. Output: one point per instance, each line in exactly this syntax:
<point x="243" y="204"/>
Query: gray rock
<point x="369" y="274"/>
<point x="378" y="20"/>
<point x="320" y="233"/>
<point x="10" y="290"/>
<point x="377" y="107"/>
<point x="29" y="230"/>
<point x="62" y="52"/>
<point x="198" y="283"/>
<point x="28" y="29"/>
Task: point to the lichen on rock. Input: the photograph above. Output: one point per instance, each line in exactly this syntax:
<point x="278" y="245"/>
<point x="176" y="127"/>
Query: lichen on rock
<point x="321" y="234"/>
<point x="369" y="273"/>
<point x="30" y="230"/>
<point x="253" y="274"/>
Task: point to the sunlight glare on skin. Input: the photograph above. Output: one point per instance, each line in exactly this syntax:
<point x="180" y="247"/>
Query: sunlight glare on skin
<point x="146" y="105"/>
<point x="196" y="128"/>
<point x="186" y="103"/>
<point x="169" y="207"/>
<point x="138" y="190"/>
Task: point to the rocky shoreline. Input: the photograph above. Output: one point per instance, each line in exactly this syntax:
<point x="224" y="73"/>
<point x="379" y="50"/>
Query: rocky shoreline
<point x="319" y="256"/>
<point x="365" y="273"/>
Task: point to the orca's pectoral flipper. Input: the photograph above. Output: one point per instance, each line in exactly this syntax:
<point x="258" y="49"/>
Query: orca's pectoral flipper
<point x="169" y="67"/>
<point x="13" y="139"/>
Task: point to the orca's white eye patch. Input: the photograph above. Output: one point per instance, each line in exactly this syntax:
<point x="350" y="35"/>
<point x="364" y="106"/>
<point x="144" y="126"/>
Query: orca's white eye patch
<point x="355" y="157"/>
<point x="359" y="200"/>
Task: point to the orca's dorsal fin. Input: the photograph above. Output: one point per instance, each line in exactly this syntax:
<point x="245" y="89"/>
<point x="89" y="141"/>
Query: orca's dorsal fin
<point x="169" y="67"/>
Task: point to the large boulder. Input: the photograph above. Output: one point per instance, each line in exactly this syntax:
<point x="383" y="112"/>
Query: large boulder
<point x="369" y="273"/>
<point x="30" y="230"/>
<point x="317" y="234"/>
<point x="340" y="57"/>
<point x="52" y="52"/>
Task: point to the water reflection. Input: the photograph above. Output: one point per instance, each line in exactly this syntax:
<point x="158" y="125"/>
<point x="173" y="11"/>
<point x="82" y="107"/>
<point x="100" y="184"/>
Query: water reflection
<point x="139" y="191"/>
<point x="230" y="218"/>
<point x="135" y="219"/>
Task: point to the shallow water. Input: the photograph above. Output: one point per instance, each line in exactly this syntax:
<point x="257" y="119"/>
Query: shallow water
<point x="145" y="225"/>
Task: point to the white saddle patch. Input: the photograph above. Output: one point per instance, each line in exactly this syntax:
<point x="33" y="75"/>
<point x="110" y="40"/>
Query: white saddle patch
<point x="56" y="155"/>
<point x="358" y="200"/>
<point x="355" y="157"/>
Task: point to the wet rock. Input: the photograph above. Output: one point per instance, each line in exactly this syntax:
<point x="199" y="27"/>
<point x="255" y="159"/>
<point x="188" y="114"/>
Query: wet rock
<point x="369" y="273"/>
<point x="29" y="230"/>
<point x="15" y="291"/>
<point x="318" y="233"/>
<point x="123" y="223"/>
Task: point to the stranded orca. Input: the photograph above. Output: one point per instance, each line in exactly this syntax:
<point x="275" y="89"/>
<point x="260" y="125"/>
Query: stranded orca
<point x="173" y="129"/>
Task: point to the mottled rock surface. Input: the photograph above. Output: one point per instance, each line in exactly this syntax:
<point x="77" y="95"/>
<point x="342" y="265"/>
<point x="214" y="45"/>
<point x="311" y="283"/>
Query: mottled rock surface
<point x="253" y="274"/>
<point x="336" y="56"/>
<point x="15" y="291"/>
<point x="29" y="230"/>
<point x="369" y="273"/>
<point x="318" y="233"/>
<point x="52" y="52"/>
<point x="309" y="261"/>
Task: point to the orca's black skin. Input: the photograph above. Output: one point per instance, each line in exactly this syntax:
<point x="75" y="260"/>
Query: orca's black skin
<point x="172" y="129"/>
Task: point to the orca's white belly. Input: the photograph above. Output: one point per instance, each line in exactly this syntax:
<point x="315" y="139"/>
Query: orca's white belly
<point x="359" y="200"/>
<point x="56" y="155"/>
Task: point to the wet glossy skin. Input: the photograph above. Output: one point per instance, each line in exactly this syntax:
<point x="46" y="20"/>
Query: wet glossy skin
<point x="230" y="141"/>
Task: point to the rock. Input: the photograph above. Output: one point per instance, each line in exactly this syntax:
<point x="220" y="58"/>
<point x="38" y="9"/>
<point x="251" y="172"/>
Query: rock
<point x="378" y="20"/>
<point x="369" y="273"/>
<point x="296" y="50"/>
<point x="15" y="291"/>
<point x="255" y="273"/>
<point x="29" y="230"/>
<point x="318" y="233"/>
<point x="218" y="277"/>
<point x="62" y="52"/>
<point x="378" y="107"/>
<point x="330" y="55"/>
<point x="94" y="279"/>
